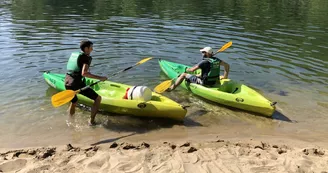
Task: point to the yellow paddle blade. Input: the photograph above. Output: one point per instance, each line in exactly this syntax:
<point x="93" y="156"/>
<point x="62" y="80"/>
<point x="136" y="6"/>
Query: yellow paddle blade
<point x="62" y="97"/>
<point x="163" y="86"/>
<point x="224" y="47"/>
<point x="144" y="60"/>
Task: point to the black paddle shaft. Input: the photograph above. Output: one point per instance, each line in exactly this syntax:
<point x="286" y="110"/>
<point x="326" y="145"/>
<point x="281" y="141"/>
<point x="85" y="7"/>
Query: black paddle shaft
<point x="86" y="87"/>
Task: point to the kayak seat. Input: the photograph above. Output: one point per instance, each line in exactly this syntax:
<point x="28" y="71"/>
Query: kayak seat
<point x="235" y="90"/>
<point x="228" y="87"/>
<point x="95" y="87"/>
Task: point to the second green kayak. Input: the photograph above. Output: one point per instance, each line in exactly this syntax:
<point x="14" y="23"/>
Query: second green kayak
<point x="226" y="91"/>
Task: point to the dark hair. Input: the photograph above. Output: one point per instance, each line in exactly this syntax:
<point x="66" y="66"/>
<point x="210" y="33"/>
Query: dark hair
<point x="85" y="43"/>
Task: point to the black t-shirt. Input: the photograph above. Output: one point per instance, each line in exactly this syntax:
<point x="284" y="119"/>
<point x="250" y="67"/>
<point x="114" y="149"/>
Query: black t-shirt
<point x="76" y="79"/>
<point x="83" y="59"/>
<point x="205" y="66"/>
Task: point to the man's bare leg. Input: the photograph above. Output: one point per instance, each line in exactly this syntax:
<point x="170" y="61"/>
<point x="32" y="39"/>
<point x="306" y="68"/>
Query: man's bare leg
<point x="72" y="108"/>
<point x="94" y="110"/>
<point x="177" y="82"/>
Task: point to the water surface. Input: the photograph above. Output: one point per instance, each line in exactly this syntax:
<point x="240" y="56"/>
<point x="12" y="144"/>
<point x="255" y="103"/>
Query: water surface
<point x="279" y="49"/>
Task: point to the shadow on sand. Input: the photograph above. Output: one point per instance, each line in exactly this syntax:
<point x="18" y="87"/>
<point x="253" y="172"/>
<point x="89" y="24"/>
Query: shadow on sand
<point x="112" y="139"/>
<point x="279" y="116"/>
<point x="125" y="123"/>
<point x="138" y="125"/>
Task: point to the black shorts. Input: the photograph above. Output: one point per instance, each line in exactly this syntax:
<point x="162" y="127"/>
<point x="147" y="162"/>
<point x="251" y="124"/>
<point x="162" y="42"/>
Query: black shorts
<point x="90" y="93"/>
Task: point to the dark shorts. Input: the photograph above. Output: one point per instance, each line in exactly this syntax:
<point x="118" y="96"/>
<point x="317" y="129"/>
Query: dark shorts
<point x="194" y="79"/>
<point x="69" y="85"/>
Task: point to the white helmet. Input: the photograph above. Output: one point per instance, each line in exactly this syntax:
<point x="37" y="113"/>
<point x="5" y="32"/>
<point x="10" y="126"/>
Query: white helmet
<point x="142" y="93"/>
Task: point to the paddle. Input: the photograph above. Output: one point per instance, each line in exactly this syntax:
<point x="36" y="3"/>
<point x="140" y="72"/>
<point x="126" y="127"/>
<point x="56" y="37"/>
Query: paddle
<point x="224" y="47"/>
<point x="67" y="95"/>
<point x="166" y="84"/>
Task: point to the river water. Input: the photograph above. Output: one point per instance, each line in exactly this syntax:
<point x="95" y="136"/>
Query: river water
<point x="279" y="48"/>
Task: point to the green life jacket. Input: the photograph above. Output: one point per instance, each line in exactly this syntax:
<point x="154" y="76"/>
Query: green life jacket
<point x="72" y="65"/>
<point x="214" y="72"/>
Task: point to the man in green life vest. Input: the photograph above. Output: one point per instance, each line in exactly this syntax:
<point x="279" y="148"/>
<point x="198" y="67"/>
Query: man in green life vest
<point x="78" y="68"/>
<point x="210" y="67"/>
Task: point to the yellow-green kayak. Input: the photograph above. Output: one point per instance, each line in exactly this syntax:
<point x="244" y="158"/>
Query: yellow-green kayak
<point x="226" y="91"/>
<point x="112" y="99"/>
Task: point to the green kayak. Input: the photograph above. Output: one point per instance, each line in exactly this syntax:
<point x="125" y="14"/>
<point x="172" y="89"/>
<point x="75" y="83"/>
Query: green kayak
<point x="226" y="91"/>
<point x="112" y="99"/>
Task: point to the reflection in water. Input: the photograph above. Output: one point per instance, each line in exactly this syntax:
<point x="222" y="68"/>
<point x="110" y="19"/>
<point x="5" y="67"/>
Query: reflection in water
<point x="279" y="49"/>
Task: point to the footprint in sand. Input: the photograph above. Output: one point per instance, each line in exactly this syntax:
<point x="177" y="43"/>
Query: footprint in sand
<point x="96" y="165"/>
<point x="130" y="166"/>
<point x="13" y="165"/>
<point x="98" y="162"/>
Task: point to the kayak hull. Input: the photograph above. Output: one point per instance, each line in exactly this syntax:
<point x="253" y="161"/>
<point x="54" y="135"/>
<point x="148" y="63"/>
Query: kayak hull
<point x="227" y="92"/>
<point x="112" y="99"/>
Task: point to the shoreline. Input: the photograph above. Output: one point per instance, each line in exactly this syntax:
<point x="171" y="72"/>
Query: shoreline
<point x="156" y="133"/>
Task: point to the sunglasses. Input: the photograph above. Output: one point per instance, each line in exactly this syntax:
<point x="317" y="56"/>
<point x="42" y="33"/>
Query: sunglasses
<point x="203" y="52"/>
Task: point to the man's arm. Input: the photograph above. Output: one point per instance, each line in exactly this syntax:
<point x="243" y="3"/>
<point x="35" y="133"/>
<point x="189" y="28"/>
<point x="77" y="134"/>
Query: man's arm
<point x="226" y="69"/>
<point x="86" y="73"/>
<point x="192" y="69"/>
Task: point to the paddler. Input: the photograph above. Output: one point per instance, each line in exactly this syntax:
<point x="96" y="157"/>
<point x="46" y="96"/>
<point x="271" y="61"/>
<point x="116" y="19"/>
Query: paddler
<point x="78" y="68"/>
<point x="210" y="67"/>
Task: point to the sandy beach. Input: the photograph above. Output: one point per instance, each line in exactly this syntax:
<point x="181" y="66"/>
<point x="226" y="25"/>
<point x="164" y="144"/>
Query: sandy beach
<point x="213" y="155"/>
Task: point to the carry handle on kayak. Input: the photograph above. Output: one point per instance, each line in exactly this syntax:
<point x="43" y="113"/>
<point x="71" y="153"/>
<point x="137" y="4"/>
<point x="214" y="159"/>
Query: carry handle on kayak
<point x="67" y="95"/>
<point x="166" y="84"/>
